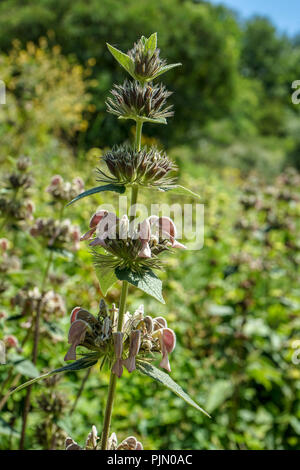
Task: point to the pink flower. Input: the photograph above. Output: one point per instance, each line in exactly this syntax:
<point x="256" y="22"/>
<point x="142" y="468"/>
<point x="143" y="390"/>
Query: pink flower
<point x="168" y="342"/>
<point x="96" y="218"/>
<point x="145" y="236"/>
<point x="135" y="342"/>
<point x="76" y="336"/>
<point x="167" y="228"/>
<point x="117" y="368"/>
<point x="74" y="314"/>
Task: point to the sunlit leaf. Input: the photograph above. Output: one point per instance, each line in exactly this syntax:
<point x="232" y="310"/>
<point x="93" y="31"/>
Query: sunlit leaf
<point x="124" y="60"/>
<point x="99" y="189"/>
<point x="165" y="379"/>
<point x="87" y="361"/>
<point x="147" y="281"/>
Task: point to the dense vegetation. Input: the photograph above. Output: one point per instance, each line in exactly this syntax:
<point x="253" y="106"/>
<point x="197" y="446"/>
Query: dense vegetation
<point x="234" y="305"/>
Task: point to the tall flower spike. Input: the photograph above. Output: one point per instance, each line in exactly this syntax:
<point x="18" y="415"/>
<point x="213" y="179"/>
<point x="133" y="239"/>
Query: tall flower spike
<point x="168" y="342"/>
<point x="135" y="343"/>
<point x="77" y="334"/>
<point x="117" y="368"/>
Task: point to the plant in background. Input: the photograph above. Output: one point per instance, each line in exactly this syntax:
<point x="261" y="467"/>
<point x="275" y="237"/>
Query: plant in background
<point x="123" y="250"/>
<point x="38" y="306"/>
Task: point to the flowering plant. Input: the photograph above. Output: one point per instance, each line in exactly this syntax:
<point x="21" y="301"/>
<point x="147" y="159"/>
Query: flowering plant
<point x="123" y="250"/>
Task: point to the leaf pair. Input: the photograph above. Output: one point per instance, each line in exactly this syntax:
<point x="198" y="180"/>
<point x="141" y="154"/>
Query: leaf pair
<point x="128" y="64"/>
<point x="143" y="367"/>
<point x="118" y="188"/>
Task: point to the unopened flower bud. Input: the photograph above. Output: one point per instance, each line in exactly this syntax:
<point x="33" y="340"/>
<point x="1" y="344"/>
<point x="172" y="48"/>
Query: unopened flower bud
<point x="117" y="368"/>
<point x="135" y="343"/>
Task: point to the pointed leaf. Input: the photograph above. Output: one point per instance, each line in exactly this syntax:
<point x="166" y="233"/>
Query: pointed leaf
<point x="165" y="379"/>
<point x="177" y="189"/>
<point x="87" y="361"/>
<point x="106" y="277"/>
<point x="147" y="281"/>
<point x="166" y="68"/>
<point x="99" y="189"/>
<point x="123" y="59"/>
<point x="151" y="43"/>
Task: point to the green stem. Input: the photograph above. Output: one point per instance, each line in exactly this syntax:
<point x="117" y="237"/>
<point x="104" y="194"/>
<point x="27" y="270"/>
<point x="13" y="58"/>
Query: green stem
<point x="113" y="377"/>
<point x="138" y="135"/>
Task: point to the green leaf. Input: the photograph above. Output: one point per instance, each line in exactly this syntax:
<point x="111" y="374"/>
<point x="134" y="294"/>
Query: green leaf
<point x="27" y="368"/>
<point x="177" y="189"/>
<point x="124" y="60"/>
<point x="144" y="119"/>
<point x="147" y="281"/>
<point x="106" y="277"/>
<point x="151" y="43"/>
<point x="165" y="379"/>
<point x="87" y="361"/>
<point x="99" y="189"/>
<point x="220" y="392"/>
<point x="165" y="69"/>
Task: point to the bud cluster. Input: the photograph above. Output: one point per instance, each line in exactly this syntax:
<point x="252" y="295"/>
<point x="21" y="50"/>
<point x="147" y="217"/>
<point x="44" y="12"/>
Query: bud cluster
<point x="130" y="443"/>
<point x="62" y="190"/>
<point x="145" y="167"/>
<point x="147" y="63"/>
<point x="50" y="303"/>
<point x="144" y="103"/>
<point x="14" y="203"/>
<point x="140" y="339"/>
<point x="57" y="234"/>
<point x="126" y="247"/>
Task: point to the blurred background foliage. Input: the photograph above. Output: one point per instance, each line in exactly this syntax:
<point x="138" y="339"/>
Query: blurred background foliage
<point x="234" y="305"/>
